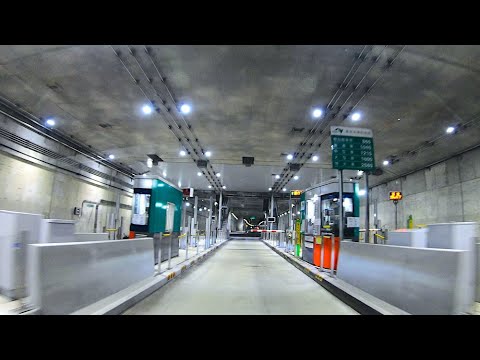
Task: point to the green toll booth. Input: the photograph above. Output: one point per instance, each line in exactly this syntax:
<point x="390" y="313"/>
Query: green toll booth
<point x="157" y="213"/>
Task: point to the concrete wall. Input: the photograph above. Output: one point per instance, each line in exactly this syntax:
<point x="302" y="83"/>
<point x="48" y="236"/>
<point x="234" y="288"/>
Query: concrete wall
<point x="27" y="187"/>
<point x="444" y="192"/>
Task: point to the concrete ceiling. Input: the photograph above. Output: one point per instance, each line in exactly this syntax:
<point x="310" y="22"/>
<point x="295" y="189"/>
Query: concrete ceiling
<point x="247" y="99"/>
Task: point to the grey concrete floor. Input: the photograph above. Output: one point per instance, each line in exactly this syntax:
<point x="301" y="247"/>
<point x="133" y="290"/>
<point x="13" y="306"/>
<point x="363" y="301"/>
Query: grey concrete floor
<point x="243" y="277"/>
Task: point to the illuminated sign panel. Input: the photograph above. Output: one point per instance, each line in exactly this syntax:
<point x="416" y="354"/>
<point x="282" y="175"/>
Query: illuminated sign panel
<point x="296" y="192"/>
<point x="396" y="195"/>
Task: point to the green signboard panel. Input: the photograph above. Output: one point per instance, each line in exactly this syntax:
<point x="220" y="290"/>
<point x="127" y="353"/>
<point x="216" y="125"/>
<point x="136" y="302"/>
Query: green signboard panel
<point x="352" y="149"/>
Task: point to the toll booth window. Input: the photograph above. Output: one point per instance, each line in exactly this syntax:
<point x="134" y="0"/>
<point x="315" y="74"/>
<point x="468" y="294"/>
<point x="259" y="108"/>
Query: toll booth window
<point x="331" y="212"/>
<point x="170" y="216"/>
<point x="141" y="206"/>
<point x="313" y="215"/>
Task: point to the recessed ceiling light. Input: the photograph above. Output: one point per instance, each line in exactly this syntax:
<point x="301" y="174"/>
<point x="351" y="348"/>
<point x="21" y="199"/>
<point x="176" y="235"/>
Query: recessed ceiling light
<point x="362" y="192"/>
<point x="218" y="174"/>
<point x="111" y="156"/>
<point x="277" y="176"/>
<point x="269" y="189"/>
<point x="298" y="212"/>
<point x="315" y="158"/>
<point x="398" y="119"/>
<point x="359" y="173"/>
<point x="199" y="209"/>
<point x="209" y="186"/>
<point x="295" y="177"/>
<point x="50" y="122"/>
<point x="289" y="156"/>
<point x="185" y="108"/>
<point x="204" y="208"/>
<point x="208" y="154"/>
<point x="356" y="116"/>
<point x="179" y="184"/>
<point x="224" y="187"/>
<point x="187" y="204"/>
<point x="182" y="153"/>
<point x="284" y="189"/>
<point x="316" y="113"/>
<point x="199" y="173"/>
<point x="450" y="129"/>
<point x="144" y="174"/>
<point x="147" y="109"/>
<point x="386" y="162"/>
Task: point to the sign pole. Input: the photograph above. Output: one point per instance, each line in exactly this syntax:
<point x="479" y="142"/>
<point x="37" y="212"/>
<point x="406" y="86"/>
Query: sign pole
<point x="396" y="202"/>
<point x="341" y="207"/>
<point x="367" y="210"/>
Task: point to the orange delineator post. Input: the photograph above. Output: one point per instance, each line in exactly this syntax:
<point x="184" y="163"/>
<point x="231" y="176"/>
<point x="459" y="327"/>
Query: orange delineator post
<point x="131" y="235"/>
<point x="327" y="252"/>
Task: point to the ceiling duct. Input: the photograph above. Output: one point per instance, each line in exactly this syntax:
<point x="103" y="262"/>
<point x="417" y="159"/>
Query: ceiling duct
<point x="202" y="163"/>
<point x="155" y="158"/>
<point x="247" y="161"/>
<point x="294" y="167"/>
<point x="377" y="172"/>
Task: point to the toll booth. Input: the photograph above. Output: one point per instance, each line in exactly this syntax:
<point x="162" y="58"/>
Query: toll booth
<point x="157" y="209"/>
<point x="320" y="212"/>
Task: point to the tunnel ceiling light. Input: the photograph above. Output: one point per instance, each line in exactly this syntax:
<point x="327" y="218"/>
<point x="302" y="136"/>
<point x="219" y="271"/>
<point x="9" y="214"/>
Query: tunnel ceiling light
<point x="111" y="156"/>
<point x="208" y="154"/>
<point x="224" y="187"/>
<point x="284" y="189"/>
<point x="356" y="116"/>
<point x="204" y="208"/>
<point x="289" y="156"/>
<point x="147" y="109"/>
<point x="199" y="209"/>
<point x="50" y="122"/>
<point x="315" y="158"/>
<point x="386" y="162"/>
<point x="295" y="177"/>
<point x="164" y="174"/>
<point x="269" y="189"/>
<point x="218" y="174"/>
<point x="185" y="109"/>
<point x="277" y="176"/>
<point x="316" y="113"/>
<point x="298" y="212"/>
<point x="187" y="204"/>
<point x="199" y="173"/>
<point x="179" y="184"/>
<point x="450" y="130"/>
<point x="150" y="164"/>
<point x="362" y="192"/>
<point x="359" y="173"/>
<point x="144" y="174"/>
<point x="209" y="186"/>
<point x="182" y="153"/>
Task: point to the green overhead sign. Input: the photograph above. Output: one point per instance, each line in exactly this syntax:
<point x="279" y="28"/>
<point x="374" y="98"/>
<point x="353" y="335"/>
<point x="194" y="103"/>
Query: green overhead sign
<point x="252" y="217"/>
<point x="352" y="148"/>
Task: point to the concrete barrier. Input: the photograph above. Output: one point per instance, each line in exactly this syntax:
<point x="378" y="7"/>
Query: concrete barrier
<point x="420" y="281"/>
<point x="477" y="298"/>
<point x="64" y="277"/>
<point x="91" y="236"/>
